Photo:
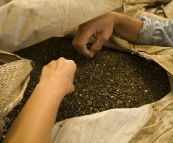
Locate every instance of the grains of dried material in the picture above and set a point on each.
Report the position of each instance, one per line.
(112, 79)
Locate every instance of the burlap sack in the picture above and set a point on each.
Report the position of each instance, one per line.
(3, 2)
(14, 76)
(161, 55)
(155, 8)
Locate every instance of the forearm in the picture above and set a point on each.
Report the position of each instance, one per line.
(35, 122)
(127, 27)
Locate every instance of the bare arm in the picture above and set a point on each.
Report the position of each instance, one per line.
(101, 28)
(35, 122)
(127, 27)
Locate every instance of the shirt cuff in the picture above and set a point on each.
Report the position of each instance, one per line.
(146, 31)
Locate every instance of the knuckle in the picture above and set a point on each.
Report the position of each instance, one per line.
(84, 27)
(61, 58)
(96, 49)
(105, 38)
(79, 44)
(52, 62)
(72, 62)
(44, 68)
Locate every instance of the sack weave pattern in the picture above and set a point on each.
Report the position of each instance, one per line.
(14, 76)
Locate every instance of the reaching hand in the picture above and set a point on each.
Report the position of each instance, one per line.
(59, 75)
(100, 28)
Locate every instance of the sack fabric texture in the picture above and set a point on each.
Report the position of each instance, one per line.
(14, 76)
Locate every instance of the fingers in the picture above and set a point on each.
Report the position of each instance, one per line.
(81, 44)
(99, 42)
(85, 32)
(67, 70)
(61, 61)
(60, 66)
(80, 41)
(59, 73)
(65, 62)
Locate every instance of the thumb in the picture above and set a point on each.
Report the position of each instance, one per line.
(72, 88)
(99, 42)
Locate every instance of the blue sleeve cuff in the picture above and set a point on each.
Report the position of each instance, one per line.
(145, 32)
(155, 32)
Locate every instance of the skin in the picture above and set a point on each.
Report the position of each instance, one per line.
(35, 122)
(101, 28)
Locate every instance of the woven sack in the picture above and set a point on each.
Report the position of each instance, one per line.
(14, 76)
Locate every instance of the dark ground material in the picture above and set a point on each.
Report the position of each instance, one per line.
(112, 79)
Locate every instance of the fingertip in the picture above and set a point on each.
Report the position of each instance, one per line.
(91, 55)
(96, 47)
(87, 54)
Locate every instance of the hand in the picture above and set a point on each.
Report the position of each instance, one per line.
(100, 28)
(36, 120)
(59, 75)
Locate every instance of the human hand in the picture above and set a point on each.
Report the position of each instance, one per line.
(59, 75)
(100, 28)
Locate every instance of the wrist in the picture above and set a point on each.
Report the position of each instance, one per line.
(115, 17)
(47, 89)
